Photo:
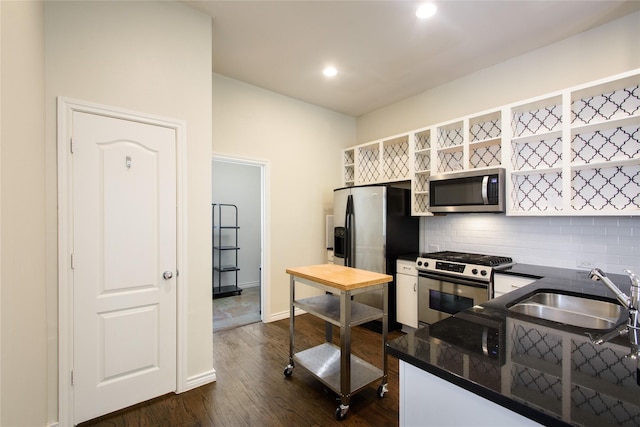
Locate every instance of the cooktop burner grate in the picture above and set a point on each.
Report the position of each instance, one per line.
(468, 258)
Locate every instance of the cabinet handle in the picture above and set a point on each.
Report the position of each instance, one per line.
(415, 287)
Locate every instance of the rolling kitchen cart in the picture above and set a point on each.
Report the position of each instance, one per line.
(335, 366)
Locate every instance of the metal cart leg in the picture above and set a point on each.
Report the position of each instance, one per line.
(328, 332)
(328, 328)
(288, 370)
(345, 354)
(385, 327)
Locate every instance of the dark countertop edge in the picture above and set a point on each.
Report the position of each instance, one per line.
(409, 256)
(537, 415)
(553, 278)
(544, 272)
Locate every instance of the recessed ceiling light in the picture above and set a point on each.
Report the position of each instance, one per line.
(330, 71)
(426, 10)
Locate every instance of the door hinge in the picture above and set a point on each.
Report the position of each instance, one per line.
(71, 145)
(72, 377)
(72, 266)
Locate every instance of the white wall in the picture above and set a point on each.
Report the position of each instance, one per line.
(152, 57)
(610, 243)
(302, 145)
(240, 185)
(24, 367)
(606, 50)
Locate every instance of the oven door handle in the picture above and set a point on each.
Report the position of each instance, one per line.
(453, 279)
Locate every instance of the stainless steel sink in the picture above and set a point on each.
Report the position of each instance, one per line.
(572, 310)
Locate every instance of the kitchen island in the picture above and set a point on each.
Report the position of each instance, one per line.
(491, 366)
(335, 366)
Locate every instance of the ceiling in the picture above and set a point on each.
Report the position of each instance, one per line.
(383, 53)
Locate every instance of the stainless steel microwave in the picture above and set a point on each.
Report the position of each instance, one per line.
(470, 191)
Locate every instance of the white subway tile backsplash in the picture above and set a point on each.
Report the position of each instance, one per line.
(619, 231)
(617, 250)
(595, 248)
(595, 230)
(612, 243)
(584, 220)
(571, 229)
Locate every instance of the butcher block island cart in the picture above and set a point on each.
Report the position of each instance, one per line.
(335, 366)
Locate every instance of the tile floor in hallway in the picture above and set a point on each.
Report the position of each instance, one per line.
(238, 310)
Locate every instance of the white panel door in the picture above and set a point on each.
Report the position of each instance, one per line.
(124, 263)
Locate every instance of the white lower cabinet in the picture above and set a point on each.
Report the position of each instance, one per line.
(407, 293)
(504, 283)
(426, 399)
(329, 256)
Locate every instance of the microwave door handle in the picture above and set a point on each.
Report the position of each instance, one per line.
(485, 188)
(485, 341)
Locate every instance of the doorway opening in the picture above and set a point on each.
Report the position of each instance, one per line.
(237, 240)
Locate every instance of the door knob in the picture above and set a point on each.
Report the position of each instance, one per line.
(167, 275)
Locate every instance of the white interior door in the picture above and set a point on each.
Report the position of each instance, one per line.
(124, 263)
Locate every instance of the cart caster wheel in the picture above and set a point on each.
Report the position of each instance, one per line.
(341, 412)
(382, 390)
(288, 371)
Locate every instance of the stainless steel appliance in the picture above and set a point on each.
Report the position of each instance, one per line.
(450, 282)
(473, 334)
(471, 191)
(372, 226)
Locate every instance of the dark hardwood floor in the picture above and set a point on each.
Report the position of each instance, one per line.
(251, 389)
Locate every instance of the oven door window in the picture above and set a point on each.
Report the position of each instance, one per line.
(448, 303)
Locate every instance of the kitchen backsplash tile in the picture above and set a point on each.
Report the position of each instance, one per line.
(609, 243)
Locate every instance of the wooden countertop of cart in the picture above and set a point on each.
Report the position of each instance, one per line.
(339, 276)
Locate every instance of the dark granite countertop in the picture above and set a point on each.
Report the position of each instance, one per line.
(409, 257)
(549, 372)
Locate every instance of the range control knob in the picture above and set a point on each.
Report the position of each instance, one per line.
(483, 272)
(419, 263)
(474, 271)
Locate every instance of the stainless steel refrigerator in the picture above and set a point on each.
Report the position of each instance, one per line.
(372, 227)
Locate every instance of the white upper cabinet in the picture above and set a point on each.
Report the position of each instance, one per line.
(387, 160)
(571, 152)
(604, 142)
(449, 147)
(485, 140)
(421, 171)
(577, 152)
(534, 183)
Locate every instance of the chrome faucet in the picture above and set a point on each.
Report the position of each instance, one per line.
(631, 303)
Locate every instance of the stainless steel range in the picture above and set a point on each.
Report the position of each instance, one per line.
(450, 282)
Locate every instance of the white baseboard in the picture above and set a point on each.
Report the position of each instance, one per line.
(199, 380)
(248, 285)
(283, 315)
(192, 382)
